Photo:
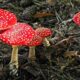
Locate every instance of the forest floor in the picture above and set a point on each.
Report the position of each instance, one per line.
(59, 61)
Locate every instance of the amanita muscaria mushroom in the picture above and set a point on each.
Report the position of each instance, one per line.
(76, 18)
(44, 32)
(7, 19)
(18, 34)
(37, 40)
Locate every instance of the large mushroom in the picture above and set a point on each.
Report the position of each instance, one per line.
(76, 18)
(7, 19)
(19, 34)
(36, 41)
(44, 32)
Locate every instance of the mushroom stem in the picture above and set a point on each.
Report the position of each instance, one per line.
(46, 42)
(31, 55)
(14, 57)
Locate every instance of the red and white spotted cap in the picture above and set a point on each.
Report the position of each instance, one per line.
(43, 32)
(7, 19)
(37, 40)
(18, 34)
(76, 18)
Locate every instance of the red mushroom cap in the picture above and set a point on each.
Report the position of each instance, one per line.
(19, 34)
(37, 40)
(6, 19)
(43, 32)
(76, 18)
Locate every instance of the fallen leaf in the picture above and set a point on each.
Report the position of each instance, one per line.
(51, 2)
(42, 14)
(71, 54)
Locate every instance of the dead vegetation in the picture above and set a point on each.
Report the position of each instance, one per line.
(60, 61)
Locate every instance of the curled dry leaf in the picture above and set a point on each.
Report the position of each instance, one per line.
(42, 14)
(51, 2)
(70, 54)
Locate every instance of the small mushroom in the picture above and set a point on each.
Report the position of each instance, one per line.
(37, 40)
(44, 32)
(7, 19)
(19, 34)
(76, 18)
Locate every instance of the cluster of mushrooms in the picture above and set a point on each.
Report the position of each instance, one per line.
(16, 34)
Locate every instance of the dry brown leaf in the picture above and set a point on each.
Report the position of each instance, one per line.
(71, 54)
(42, 14)
(51, 2)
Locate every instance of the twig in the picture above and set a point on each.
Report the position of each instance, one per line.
(66, 39)
(66, 21)
(74, 34)
(59, 32)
